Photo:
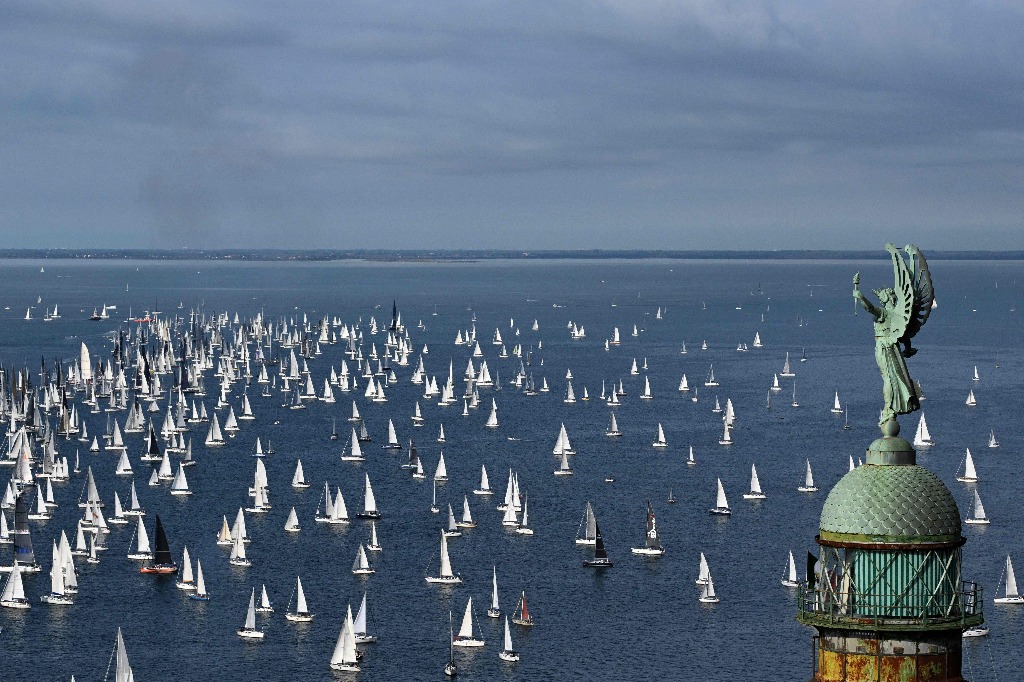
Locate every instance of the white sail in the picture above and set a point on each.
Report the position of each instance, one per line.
(1011, 580)
(250, 616)
(200, 582)
(494, 591)
(369, 501)
(721, 502)
(142, 539)
(300, 597)
(703, 572)
(755, 482)
(441, 472)
(979, 509)
(122, 671)
(446, 564)
(466, 629)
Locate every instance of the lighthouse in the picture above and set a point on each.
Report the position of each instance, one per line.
(888, 598)
(887, 595)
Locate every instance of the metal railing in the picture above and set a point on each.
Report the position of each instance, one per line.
(829, 608)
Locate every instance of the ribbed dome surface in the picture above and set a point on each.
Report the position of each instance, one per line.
(891, 501)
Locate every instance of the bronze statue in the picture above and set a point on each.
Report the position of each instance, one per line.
(903, 310)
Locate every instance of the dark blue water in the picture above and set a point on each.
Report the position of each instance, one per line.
(639, 621)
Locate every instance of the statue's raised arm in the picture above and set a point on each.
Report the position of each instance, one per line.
(901, 313)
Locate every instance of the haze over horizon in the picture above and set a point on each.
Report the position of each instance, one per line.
(479, 125)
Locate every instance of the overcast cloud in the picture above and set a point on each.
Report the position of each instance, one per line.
(524, 125)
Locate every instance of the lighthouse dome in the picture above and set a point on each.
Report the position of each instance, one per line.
(879, 503)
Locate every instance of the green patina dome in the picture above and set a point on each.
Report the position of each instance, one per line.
(890, 503)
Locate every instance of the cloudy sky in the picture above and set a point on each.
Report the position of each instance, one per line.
(524, 125)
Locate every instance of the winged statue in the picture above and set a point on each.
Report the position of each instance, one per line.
(902, 311)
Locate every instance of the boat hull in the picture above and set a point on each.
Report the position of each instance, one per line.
(598, 563)
(721, 511)
(467, 642)
(57, 599)
(250, 634)
(299, 617)
(755, 496)
(510, 656)
(444, 580)
(648, 551)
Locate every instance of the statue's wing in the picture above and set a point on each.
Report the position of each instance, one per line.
(899, 316)
(924, 294)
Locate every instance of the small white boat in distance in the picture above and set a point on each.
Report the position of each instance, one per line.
(587, 532)
(808, 486)
(707, 592)
(721, 503)
(992, 442)
(789, 578)
(508, 653)
(465, 636)
(971, 400)
(755, 486)
(249, 630)
(703, 572)
(970, 474)
(922, 437)
(495, 610)
(1010, 594)
(563, 468)
(977, 516)
(301, 613)
(836, 407)
(445, 576)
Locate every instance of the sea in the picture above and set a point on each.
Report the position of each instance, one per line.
(641, 619)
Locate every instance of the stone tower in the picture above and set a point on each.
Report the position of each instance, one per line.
(888, 599)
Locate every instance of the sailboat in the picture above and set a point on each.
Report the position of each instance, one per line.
(359, 625)
(392, 443)
(179, 486)
(452, 530)
(441, 472)
(794, 403)
(370, 510)
(600, 559)
(789, 579)
(613, 428)
(922, 437)
(13, 596)
(710, 381)
(836, 407)
(361, 565)
(808, 486)
(970, 474)
(495, 610)
(524, 528)
(508, 653)
(238, 556)
(587, 531)
(299, 478)
(703, 572)
(485, 485)
(726, 438)
(652, 541)
(563, 468)
(992, 442)
(466, 637)
(434, 509)
(971, 401)
(249, 630)
(445, 576)
(721, 503)
(467, 516)
(786, 371)
(291, 525)
(660, 441)
(977, 516)
(344, 657)
(301, 613)
(162, 562)
(1010, 595)
(143, 551)
(200, 593)
(450, 669)
(186, 582)
(59, 594)
(707, 592)
(264, 606)
(755, 486)
(521, 614)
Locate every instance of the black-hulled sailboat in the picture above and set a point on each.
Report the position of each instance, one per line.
(163, 562)
(600, 559)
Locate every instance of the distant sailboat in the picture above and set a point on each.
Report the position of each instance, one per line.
(249, 630)
(971, 400)
(659, 441)
(466, 636)
(922, 437)
(508, 654)
(495, 610)
(445, 575)
(301, 614)
(1010, 594)
(977, 515)
(587, 532)
(970, 474)
(600, 559)
(755, 486)
(808, 486)
(721, 503)
(789, 578)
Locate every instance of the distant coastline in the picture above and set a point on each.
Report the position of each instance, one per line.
(469, 255)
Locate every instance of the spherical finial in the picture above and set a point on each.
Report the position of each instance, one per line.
(891, 428)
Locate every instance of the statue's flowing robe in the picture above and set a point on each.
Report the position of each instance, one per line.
(898, 388)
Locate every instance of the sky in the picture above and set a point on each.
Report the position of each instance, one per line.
(614, 124)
